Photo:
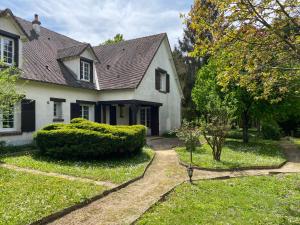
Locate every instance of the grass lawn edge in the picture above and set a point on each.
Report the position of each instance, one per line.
(182, 163)
(54, 216)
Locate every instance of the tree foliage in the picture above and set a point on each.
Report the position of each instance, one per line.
(256, 42)
(117, 39)
(9, 94)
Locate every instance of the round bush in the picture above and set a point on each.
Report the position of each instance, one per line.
(86, 139)
(270, 130)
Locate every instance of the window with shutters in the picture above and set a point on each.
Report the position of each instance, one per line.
(8, 119)
(86, 70)
(162, 81)
(84, 111)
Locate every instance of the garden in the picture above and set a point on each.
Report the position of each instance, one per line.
(112, 154)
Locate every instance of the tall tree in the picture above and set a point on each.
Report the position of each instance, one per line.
(260, 40)
(117, 38)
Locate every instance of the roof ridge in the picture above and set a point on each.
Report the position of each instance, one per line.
(27, 21)
(134, 39)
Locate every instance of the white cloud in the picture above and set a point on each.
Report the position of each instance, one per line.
(95, 21)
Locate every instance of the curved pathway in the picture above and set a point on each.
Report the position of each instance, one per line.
(129, 203)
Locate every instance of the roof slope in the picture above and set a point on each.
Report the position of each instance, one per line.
(123, 65)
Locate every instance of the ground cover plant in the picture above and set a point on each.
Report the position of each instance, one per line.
(25, 198)
(237, 154)
(274, 200)
(116, 170)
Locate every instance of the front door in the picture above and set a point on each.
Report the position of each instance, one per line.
(145, 118)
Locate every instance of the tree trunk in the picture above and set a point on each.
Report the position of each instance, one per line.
(245, 118)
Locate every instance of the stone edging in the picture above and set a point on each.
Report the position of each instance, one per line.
(235, 169)
(54, 216)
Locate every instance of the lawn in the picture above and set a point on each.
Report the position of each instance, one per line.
(249, 200)
(25, 198)
(117, 170)
(236, 155)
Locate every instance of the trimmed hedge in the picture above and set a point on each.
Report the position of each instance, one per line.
(271, 130)
(85, 139)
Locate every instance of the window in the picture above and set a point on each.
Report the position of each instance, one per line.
(85, 70)
(163, 77)
(7, 119)
(84, 111)
(57, 110)
(162, 81)
(7, 50)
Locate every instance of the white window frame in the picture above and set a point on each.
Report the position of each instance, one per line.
(83, 111)
(86, 71)
(147, 114)
(14, 128)
(57, 110)
(2, 39)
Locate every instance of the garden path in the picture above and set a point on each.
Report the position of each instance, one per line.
(129, 203)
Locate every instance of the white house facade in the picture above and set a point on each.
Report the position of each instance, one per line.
(132, 82)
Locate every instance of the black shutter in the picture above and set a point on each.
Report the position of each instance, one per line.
(27, 115)
(130, 116)
(98, 113)
(155, 121)
(16, 59)
(113, 115)
(75, 111)
(81, 69)
(157, 80)
(91, 73)
(167, 83)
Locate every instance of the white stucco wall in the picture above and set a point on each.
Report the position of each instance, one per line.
(41, 93)
(170, 111)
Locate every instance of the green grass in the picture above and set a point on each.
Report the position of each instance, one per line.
(236, 154)
(241, 201)
(116, 170)
(25, 198)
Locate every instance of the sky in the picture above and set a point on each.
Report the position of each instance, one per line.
(94, 21)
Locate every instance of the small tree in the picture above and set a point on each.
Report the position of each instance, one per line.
(215, 125)
(9, 95)
(189, 133)
(117, 38)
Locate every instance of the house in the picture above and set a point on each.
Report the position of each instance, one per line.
(132, 82)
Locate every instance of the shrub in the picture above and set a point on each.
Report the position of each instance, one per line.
(86, 139)
(271, 130)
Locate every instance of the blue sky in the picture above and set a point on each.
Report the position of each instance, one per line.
(94, 21)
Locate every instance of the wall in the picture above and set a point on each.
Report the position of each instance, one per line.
(170, 112)
(41, 93)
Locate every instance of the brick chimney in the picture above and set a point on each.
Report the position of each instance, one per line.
(36, 24)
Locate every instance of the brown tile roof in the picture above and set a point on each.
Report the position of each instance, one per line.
(127, 61)
(123, 65)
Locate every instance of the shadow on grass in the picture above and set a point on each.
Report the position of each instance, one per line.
(109, 162)
(258, 147)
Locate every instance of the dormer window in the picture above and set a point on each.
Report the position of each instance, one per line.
(86, 70)
(7, 50)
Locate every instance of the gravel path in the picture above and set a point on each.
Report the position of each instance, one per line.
(127, 204)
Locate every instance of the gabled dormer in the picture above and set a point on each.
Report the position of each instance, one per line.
(12, 37)
(81, 60)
